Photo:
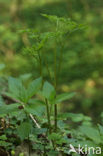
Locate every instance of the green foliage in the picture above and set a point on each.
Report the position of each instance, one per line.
(92, 133)
(18, 91)
(63, 97)
(34, 117)
(1, 101)
(24, 130)
(80, 48)
(85, 133)
(48, 91)
(7, 109)
(33, 87)
(3, 142)
(15, 87)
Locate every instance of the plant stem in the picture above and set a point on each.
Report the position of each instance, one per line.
(55, 113)
(40, 62)
(60, 60)
(47, 67)
(59, 70)
(55, 70)
(55, 84)
(48, 115)
(29, 146)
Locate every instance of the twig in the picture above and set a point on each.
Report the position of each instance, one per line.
(31, 116)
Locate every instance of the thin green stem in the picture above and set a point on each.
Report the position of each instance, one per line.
(55, 70)
(48, 115)
(59, 70)
(55, 84)
(40, 63)
(60, 60)
(29, 145)
(48, 69)
(55, 113)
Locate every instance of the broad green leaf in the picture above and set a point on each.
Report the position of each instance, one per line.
(53, 153)
(25, 77)
(37, 131)
(17, 90)
(7, 109)
(58, 138)
(15, 85)
(36, 102)
(76, 118)
(9, 95)
(35, 109)
(100, 129)
(91, 133)
(55, 136)
(1, 101)
(34, 87)
(23, 95)
(48, 91)
(24, 130)
(65, 96)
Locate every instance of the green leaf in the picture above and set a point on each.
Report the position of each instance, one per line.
(1, 101)
(5, 144)
(100, 129)
(25, 77)
(78, 117)
(14, 86)
(17, 89)
(51, 17)
(65, 96)
(35, 109)
(74, 117)
(7, 109)
(3, 137)
(53, 153)
(24, 130)
(34, 87)
(92, 133)
(36, 102)
(23, 95)
(48, 91)
(55, 136)
(58, 138)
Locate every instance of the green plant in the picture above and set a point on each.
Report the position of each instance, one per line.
(63, 28)
(33, 114)
(50, 99)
